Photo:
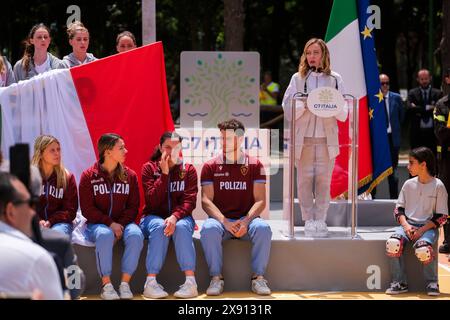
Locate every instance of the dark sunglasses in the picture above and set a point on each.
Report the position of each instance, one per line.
(384, 83)
(32, 202)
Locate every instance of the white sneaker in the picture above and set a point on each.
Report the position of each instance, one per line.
(310, 228)
(259, 286)
(321, 228)
(215, 287)
(125, 291)
(154, 290)
(108, 292)
(187, 290)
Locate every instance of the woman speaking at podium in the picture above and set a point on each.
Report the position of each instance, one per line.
(316, 144)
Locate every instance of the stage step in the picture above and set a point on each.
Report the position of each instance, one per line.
(301, 264)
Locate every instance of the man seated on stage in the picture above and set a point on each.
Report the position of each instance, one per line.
(233, 196)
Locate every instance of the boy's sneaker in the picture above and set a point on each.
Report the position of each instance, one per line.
(310, 228)
(125, 291)
(397, 288)
(259, 286)
(108, 292)
(443, 248)
(321, 228)
(187, 290)
(154, 290)
(433, 289)
(215, 287)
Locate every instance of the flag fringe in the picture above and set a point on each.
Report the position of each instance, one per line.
(361, 183)
(364, 181)
(380, 178)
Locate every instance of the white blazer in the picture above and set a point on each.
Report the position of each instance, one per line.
(302, 115)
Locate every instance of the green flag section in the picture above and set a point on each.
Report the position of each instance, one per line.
(342, 14)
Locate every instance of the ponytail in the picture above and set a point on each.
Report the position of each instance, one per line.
(29, 47)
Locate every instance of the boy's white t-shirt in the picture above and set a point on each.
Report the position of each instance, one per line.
(422, 200)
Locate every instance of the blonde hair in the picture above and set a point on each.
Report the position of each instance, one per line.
(74, 27)
(40, 144)
(106, 142)
(2, 65)
(304, 67)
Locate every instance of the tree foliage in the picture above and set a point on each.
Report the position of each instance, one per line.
(277, 29)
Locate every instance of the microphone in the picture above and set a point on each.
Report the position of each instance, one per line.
(319, 69)
(305, 89)
(311, 69)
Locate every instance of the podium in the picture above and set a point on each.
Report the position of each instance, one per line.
(321, 147)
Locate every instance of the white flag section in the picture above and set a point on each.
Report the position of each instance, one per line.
(125, 93)
(47, 104)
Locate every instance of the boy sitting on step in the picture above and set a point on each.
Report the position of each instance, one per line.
(421, 209)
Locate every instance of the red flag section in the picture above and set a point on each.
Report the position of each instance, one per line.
(127, 94)
(339, 184)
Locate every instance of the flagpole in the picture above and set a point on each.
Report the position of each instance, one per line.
(148, 21)
(299, 96)
(354, 184)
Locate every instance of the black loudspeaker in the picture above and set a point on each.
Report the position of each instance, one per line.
(19, 165)
(19, 162)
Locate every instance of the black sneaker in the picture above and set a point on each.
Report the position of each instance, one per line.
(433, 289)
(444, 249)
(397, 288)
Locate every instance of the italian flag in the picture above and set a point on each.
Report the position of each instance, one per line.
(125, 94)
(343, 41)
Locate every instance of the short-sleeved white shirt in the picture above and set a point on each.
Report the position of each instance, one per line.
(26, 266)
(422, 200)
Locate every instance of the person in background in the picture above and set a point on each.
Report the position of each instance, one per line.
(125, 41)
(394, 117)
(269, 90)
(79, 40)
(6, 73)
(420, 105)
(36, 58)
(442, 132)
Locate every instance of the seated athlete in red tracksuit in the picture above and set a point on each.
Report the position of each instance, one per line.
(109, 199)
(170, 189)
(58, 201)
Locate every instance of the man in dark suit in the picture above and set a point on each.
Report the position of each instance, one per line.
(421, 102)
(394, 118)
(442, 131)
